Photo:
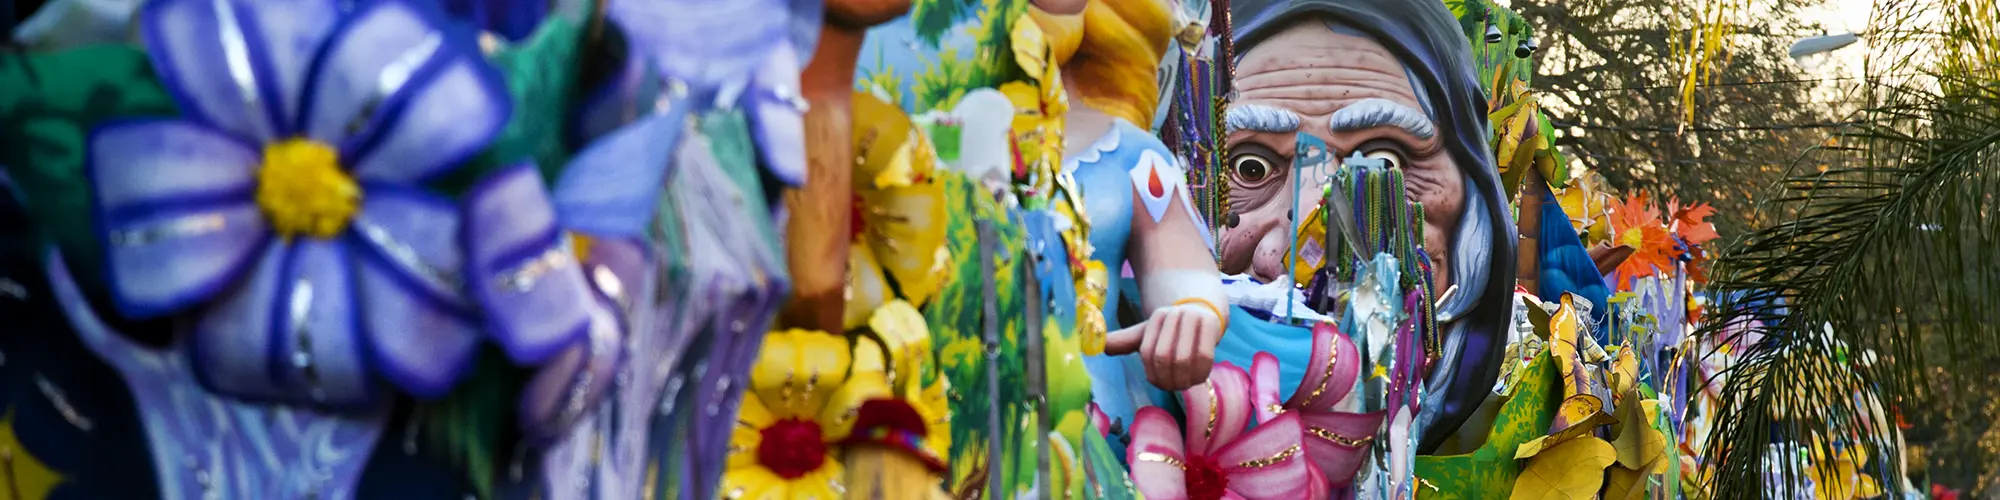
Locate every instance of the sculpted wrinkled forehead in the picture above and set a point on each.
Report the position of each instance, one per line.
(1314, 69)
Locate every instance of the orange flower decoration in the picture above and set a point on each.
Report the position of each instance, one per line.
(1690, 222)
(1636, 223)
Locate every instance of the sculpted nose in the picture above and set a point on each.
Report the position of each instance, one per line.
(1269, 261)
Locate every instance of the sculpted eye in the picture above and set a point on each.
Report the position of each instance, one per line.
(1389, 156)
(1250, 168)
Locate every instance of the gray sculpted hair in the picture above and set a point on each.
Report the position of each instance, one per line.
(1376, 112)
(1259, 118)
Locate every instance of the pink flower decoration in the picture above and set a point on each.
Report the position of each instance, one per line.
(1335, 441)
(1103, 421)
(1218, 456)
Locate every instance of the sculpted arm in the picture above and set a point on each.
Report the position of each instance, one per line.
(1180, 290)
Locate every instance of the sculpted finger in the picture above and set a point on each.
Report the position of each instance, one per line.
(1125, 340)
(1205, 349)
(1163, 351)
(1149, 340)
(1189, 326)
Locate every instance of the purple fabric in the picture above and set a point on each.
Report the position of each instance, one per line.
(612, 188)
(628, 94)
(777, 116)
(742, 53)
(210, 446)
(720, 314)
(573, 381)
(704, 44)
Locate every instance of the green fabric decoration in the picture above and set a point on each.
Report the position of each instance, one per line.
(1105, 477)
(1489, 471)
(541, 76)
(471, 427)
(51, 102)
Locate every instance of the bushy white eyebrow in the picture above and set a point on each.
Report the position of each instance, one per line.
(1259, 118)
(1376, 112)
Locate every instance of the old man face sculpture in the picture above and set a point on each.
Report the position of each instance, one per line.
(1384, 79)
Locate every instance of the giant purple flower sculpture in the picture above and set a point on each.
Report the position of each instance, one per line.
(284, 206)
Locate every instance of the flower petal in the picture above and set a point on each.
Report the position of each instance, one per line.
(167, 261)
(867, 289)
(522, 274)
(318, 332)
(453, 116)
(751, 419)
(1316, 486)
(905, 227)
(821, 484)
(225, 66)
(174, 201)
(1264, 386)
(232, 340)
(777, 116)
(613, 187)
(797, 371)
(1217, 410)
(403, 99)
(1156, 455)
(867, 380)
(414, 233)
(421, 344)
(288, 332)
(1267, 462)
(1337, 442)
(574, 380)
(1331, 371)
(145, 166)
(753, 483)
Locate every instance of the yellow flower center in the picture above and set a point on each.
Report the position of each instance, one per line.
(581, 245)
(1633, 237)
(302, 190)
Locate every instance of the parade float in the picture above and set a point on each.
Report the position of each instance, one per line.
(799, 249)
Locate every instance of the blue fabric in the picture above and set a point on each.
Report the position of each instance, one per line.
(1566, 267)
(1248, 334)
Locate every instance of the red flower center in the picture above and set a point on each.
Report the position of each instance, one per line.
(1205, 480)
(791, 448)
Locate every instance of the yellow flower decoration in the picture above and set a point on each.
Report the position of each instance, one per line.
(804, 391)
(913, 372)
(1587, 202)
(1091, 328)
(899, 219)
(1040, 105)
(1842, 478)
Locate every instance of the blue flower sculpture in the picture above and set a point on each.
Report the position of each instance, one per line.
(283, 212)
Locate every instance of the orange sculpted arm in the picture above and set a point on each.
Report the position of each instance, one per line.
(817, 236)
